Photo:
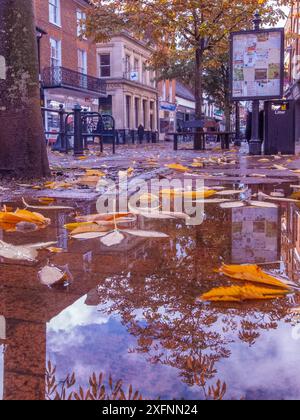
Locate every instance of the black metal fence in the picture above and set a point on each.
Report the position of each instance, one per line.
(199, 140)
(78, 129)
(133, 137)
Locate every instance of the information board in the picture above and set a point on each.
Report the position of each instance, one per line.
(257, 64)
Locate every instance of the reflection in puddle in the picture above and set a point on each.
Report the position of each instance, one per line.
(132, 310)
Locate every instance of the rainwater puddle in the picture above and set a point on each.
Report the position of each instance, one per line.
(132, 311)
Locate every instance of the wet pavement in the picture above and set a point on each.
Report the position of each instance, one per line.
(132, 310)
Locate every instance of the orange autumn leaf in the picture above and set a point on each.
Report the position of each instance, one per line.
(91, 227)
(109, 217)
(72, 226)
(251, 273)
(18, 216)
(192, 195)
(177, 167)
(55, 250)
(241, 294)
(94, 172)
(46, 200)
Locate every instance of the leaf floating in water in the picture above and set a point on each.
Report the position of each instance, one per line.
(252, 273)
(241, 294)
(264, 196)
(46, 207)
(51, 275)
(232, 205)
(146, 233)
(263, 204)
(73, 226)
(22, 252)
(46, 200)
(88, 235)
(55, 250)
(23, 216)
(113, 238)
(89, 228)
(231, 192)
(105, 217)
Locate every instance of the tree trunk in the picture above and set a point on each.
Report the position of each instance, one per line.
(22, 140)
(199, 96)
(227, 117)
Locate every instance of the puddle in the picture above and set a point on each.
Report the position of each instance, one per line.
(131, 311)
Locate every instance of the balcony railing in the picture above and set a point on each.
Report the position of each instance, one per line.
(61, 77)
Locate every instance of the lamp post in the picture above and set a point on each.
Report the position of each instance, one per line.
(255, 142)
(237, 125)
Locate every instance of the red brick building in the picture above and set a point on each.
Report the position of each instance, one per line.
(68, 64)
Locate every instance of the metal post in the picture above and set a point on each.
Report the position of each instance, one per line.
(78, 139)
(62, 129)
(255, 143)
(175, 141)
(237, 125)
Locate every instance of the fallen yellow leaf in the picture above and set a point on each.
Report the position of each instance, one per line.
(72, 226)
(241, 294)
(251, 273)
(55, 250)
(192, 195)
(94, 172)
(23, 216)
(177, 167)
(46, 200)
(92, 227)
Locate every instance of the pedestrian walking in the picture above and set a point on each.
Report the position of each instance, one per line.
(141, 133)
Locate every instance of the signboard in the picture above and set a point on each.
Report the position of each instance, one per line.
(134, 76)
(257, 65)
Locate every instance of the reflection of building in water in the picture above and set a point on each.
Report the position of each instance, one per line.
(255, 235)
(290, 240)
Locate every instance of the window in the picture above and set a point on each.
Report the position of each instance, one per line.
(144, 73)
(105, 67)
(164, 90)
(127, 65)
(171, 91)
(128, 111)
(54, 12)
(137, 113)
(81, 18)
(55, 53)
(82, 61)
(136, 64)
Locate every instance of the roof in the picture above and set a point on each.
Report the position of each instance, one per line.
(184, 92)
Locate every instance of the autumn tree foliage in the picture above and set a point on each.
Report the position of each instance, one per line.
(22, 141)
(180, 29)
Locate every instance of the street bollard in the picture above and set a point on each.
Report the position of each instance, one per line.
(78, 139)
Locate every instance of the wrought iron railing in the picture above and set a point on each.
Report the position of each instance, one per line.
(53, 77)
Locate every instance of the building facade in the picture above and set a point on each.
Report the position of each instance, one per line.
(167, 107)
(68, 62)
(131, 86)
(292, 60)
